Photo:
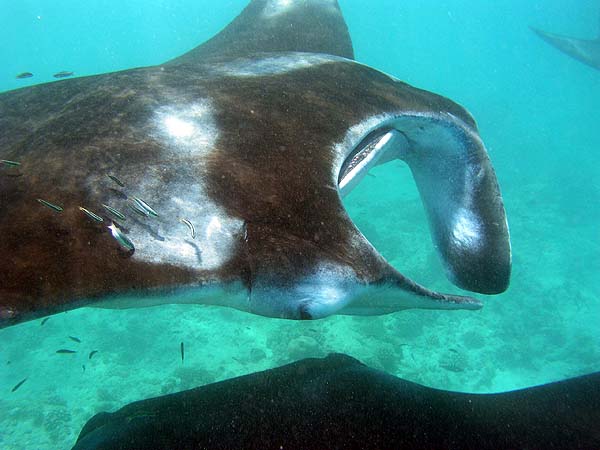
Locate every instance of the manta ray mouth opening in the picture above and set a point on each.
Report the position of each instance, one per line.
(373, 179)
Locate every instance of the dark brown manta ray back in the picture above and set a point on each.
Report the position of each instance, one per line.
(217, 178)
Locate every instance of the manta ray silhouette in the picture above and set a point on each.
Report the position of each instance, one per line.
(585, 50)
(217, 178)
(337, 402)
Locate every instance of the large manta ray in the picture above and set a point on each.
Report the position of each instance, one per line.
(217, 178)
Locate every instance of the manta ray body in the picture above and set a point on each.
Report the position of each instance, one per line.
(218, 177)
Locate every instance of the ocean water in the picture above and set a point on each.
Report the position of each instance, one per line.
(538, 114)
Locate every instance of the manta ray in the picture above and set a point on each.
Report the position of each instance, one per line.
(218, 177)
(585, 50)
(337, 402)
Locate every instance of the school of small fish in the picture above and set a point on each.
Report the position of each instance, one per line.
(136, 204)
(61, 74)
(68, 351)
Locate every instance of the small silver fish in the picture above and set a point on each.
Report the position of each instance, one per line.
(138, 209)
(114, 212)
(24, 75)
(9, 163)
(144, 206)
(50, 205)
(91, 215)
(121, 238)
(190, 225)
(116, 180)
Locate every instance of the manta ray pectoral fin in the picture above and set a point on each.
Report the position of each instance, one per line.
(314, 26)
(585, 50)
(462, 199)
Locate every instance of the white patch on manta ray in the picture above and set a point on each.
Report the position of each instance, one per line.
(191, 128)
(175, 187)
(273, 8)
(467, 229)
(165, 240)
(274, 65)
(326, 290)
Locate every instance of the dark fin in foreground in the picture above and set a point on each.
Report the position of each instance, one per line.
(585, 50)
(337, 402)
(265, 26)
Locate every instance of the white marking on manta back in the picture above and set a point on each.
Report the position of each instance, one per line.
(191, 128)
(274, 65)
(164, 240)
(175, 185)
(178, 128)
(273, 8)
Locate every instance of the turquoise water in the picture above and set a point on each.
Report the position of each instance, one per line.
(537, 111)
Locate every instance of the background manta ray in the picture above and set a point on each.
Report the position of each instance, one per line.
(585, 50)
(217, 178)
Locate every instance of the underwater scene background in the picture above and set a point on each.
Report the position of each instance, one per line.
(538, 113)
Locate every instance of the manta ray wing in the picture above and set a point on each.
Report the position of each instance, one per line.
(278, 26)
(217, 179)
(585, 50)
